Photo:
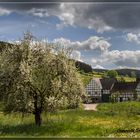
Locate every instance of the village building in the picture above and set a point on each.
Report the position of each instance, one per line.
(109, 89)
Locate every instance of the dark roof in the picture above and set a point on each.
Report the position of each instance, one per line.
(113, 85)
(124, 86)
(107, 83)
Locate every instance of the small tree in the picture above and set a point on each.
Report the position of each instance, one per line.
(37, 78)
(112, 73)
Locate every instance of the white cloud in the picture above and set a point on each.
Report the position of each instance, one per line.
(76, 55)
(131, 37)
(62, 41)
(94, 61)
(4, 11)
(123, 58)
(120, 59)
(93, 43)
(39, 12)
(98, 67)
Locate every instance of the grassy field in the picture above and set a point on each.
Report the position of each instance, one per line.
(111, 120)
(127, 79)
(86, 77)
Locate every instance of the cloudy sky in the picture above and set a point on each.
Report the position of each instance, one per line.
(104, 35)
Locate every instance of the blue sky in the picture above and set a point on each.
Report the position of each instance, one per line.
(104, 35)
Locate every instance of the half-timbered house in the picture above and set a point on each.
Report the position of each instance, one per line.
(107, 89)
(94, 90)
(123, 91)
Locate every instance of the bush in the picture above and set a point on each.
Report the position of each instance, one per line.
(112, 74)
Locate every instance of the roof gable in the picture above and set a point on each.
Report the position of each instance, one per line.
(95, 80)
(113, 85)
(125, 86)
(108, 83)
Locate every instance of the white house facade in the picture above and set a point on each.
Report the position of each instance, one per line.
(104, 90)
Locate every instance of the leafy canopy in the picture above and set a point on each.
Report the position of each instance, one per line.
(37, 77)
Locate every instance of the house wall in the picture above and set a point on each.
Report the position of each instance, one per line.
(105, 95)
(138, 89)
(106, 91)
(94, 90)
(97, 94)
(123, 96)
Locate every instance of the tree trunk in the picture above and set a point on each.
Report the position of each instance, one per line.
(38, 119)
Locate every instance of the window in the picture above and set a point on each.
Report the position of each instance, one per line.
(106, 92)
(89, 92)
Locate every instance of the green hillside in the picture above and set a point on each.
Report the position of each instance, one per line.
(86, 77)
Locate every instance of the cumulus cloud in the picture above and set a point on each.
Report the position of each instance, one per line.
(94, 61)
(99, 16)
(4, 11)
(76, 55)
(131, 37)
(123, 59)
(74, 15)
(39, 12)
(98, 67)
(93, 43)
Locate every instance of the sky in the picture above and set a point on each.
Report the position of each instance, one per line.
(105, 35)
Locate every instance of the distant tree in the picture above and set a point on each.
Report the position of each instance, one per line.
(112, 74)
(36, 80)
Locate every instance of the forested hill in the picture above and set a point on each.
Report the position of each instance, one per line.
(100, 70)
(124, 72)
(128, 72)
(83, 66)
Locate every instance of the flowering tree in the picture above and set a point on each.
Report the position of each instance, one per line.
(38, 78)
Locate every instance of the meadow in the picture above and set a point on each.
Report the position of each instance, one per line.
(86, 77)
(111, 120)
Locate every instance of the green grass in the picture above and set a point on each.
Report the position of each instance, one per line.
(111, 120)
(86, 77)
(127, 79)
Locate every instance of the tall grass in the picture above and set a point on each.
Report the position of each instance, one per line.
(111, 120)
(122, 108)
